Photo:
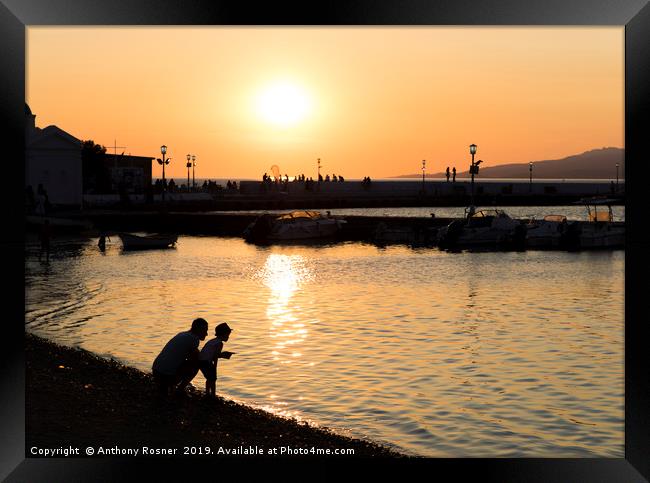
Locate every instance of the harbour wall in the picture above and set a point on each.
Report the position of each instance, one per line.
(254, 195)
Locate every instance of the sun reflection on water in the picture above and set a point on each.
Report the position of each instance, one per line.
(283, 275)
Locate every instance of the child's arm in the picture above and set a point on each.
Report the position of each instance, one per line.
(221, 354)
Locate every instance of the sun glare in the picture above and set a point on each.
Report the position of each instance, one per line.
(283, 104)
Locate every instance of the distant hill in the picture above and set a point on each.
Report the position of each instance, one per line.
(594, 164)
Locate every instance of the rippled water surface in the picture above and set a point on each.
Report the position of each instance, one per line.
(442, 354)
(572, 212)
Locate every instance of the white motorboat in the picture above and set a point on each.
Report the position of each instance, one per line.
(553, 231)
(143, 242)
(296, 225)
(484, 228)
(601, 231)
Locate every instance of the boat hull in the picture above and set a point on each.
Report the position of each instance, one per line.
(305, 230)
(605, 237)
(135, 242)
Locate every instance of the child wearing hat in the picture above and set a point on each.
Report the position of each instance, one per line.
(210, 355)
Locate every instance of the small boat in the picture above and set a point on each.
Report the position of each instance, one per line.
(489, 228)
(553, 231)
(601, 231)
(143, 242)
(296, 225)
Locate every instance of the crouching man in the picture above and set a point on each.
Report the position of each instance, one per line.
(178, 362)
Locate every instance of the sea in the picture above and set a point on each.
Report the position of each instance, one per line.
(435, 353)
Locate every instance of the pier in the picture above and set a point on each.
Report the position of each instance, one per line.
(257, 196)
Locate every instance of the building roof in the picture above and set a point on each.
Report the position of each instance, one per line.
(43, 136)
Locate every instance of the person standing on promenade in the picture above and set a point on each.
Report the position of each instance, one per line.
(453, 174)
(210, 354)
(178, 362)
(447, 174)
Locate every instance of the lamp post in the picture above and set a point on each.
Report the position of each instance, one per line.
(617, 177)
(424, 163)
(188, 165)
(163, 162)
(530, 169)
(472, 150)
(193, 178)
(318, 170)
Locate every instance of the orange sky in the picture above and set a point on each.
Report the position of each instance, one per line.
(367, 101)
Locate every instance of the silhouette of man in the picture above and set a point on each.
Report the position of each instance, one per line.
(453, 174)
(178, 362)
(447, 174)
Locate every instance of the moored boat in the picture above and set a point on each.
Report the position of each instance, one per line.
(601, 231)
(296, 225)
(553, 231)
(490, 228)
(143, 242)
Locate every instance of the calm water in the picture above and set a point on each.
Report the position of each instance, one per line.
(442, 354)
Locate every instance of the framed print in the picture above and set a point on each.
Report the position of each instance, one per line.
(515, 364)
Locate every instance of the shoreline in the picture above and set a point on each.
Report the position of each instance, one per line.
(75, 399)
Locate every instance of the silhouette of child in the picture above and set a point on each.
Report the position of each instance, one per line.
(210, 355)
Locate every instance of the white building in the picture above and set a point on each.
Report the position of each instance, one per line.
(53, 159)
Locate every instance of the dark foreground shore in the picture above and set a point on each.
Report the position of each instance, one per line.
(75, 399)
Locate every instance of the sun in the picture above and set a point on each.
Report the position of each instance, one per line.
(283, 104)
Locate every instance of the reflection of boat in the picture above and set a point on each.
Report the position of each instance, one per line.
(485, 228)
(137, 242)
(409, 235)
(601, 231)
(296, 225)
(553, 231)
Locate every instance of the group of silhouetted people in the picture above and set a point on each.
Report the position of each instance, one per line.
(180, 359)
(301, 178)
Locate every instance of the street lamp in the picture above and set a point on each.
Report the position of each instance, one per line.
(472, 169)
(163, 162)
(424, 163)
(530, 168)
(189, 165)
(617, 177)
(319, 170)
(193, 178)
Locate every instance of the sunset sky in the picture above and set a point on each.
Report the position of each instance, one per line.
(371, 101)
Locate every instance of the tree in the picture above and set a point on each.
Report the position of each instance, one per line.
(96, 177)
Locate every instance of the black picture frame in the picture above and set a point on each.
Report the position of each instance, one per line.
(16, 15)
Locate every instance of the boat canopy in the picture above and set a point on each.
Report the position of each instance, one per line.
(299, 214)
(600, 215)
(556, 218)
